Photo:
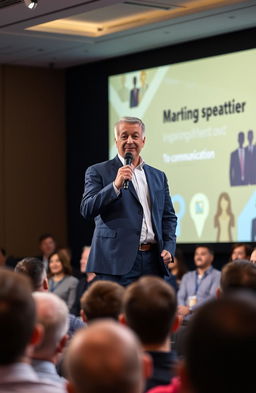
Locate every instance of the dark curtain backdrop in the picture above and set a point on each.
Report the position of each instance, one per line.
(87, 121)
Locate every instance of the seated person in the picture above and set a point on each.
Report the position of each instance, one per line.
(220, 346)
(61, 282)
(106, 357)
(150, 311)
(35, 269)
(199, 285)
(240, 274)
(83, 284)
(102, 300)
(52, 314)
(240, 251)
(20, 334)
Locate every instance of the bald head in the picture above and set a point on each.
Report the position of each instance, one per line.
(52, 314)
(105, 357)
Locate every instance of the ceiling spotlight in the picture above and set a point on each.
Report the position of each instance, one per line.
(32, 4)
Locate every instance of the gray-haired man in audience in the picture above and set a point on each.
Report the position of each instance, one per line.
(52, 314)
(19, 335)
(106, 358)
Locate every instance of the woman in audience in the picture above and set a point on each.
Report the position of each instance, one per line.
(61, 282)
(177, 269)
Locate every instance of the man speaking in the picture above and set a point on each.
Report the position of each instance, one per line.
(134, 217)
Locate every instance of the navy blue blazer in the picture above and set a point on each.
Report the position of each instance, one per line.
(118, 219)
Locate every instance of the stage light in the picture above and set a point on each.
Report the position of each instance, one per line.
(31, 4)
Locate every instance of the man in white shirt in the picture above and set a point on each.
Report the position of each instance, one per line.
(134, 227)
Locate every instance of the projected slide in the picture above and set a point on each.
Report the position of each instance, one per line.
(200, 119)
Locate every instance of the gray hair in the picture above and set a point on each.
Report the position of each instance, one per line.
(52, 313)
(131, 120)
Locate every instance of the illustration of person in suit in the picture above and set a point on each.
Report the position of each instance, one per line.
(143, 84)
(237, 164)
(250, 160)
(224, 219)
(134, 94)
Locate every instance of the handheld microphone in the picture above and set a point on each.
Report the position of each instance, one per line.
(128, 158)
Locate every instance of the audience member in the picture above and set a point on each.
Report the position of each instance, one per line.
(253, 256)
(240, 274)
(52, 314)
(102, 300)
(220, 346)
(34, 268)
(19, 335)
(106, 358)
(47, 245)
(61, 282)
(7, 260)
(240, 251)
(199, 285)
(150, 311)
(177, 269)
(86, 280)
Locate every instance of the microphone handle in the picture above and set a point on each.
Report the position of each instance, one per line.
(126, 184)
(127, 161)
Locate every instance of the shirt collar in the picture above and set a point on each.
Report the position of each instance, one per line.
(140, 166)
(208, 271)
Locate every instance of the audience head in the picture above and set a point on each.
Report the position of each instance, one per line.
(178, 265)
(150, 309)
(240, 274)
(105, 357)
(240, 251)
(34, 268)
(59, 262)
(52, 314)
(253, 256)
(17, 316)
(2, 256)
(84, 258)
(203, 257)
(103, 299)
(47, 244)
(220, 345)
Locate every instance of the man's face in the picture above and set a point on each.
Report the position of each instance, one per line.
(129, 139)
(238, 253)
(203, 258)
(84, 258)
(47, 246)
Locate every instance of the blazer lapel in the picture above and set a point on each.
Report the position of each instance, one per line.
(150, 182)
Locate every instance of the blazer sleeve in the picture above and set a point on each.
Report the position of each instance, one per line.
(169, 222)
(96, 196)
